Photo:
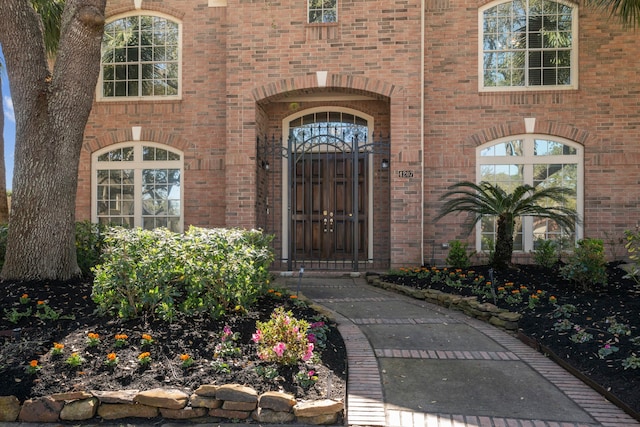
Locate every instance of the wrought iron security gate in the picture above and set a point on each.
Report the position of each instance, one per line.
(326, 174)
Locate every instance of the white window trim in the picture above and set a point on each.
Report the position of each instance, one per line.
(137, 165)
(529, 159)
(101, 98)
(574, 54)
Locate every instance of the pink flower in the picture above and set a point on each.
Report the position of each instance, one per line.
(607, 346)
(311, 373)
(226, 332)
(279, 348)
(312, 338)
(257, 336)
(316, 325)
(309, 353)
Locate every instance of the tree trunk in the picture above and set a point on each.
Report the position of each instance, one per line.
(504, 242)
(4, 205)
(51, 113)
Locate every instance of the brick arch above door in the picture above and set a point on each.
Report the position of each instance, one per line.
(341, 82)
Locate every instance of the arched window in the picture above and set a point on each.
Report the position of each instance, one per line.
(138, 185)
(141, 58)
(536, 160)
(528, 44)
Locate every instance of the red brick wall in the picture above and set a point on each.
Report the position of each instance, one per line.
(603, 115)
(240, 61)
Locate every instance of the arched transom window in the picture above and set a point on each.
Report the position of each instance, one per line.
(138, 185)
(536, 160)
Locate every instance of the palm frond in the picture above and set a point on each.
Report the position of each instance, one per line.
(50, 12)
(626, 11)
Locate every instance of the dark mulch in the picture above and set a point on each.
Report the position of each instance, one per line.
(597, 310)
(32, 338)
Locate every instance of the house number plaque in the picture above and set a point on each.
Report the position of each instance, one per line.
(405, 174)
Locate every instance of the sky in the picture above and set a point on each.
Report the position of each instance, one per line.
(9, 123)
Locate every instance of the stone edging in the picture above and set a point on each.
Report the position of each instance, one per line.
(487, 312)
(209, 403)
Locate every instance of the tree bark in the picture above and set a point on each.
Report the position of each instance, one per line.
(51, 113)
(504, 242)
(4, 203)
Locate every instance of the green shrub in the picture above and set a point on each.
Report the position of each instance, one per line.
(587, 265)
(633, 248)
(224, 269)
(545, 253)
(164, 273)
(458, 257)
(89, 244)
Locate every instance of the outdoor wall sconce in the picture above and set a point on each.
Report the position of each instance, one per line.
(385, 164)
(265, 165)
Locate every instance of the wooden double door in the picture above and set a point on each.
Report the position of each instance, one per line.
(329, 217)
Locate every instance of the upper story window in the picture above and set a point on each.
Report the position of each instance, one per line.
(140, 58)
(536, 160)
(138, 185)
(528, 44)
(323, 11)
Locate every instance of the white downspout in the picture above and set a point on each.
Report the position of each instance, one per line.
(422, 178)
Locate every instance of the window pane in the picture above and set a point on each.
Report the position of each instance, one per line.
(140, 40)
(509, 148)
(512, 34)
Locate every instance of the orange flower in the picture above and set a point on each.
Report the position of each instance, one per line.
(184, 357)
(146, 337)
(93, 336)
(293, 296)
(40, 302)
(33, 363)
(121, 336)
(58, 346)
(144, 355)
(111, 356)
(515, 291)
(25, 296)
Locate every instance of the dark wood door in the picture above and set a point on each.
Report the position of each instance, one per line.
(323, 208)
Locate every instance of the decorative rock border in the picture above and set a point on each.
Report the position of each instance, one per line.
(487, 312)
(209, 403)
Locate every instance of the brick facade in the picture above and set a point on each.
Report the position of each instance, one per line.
(250, 64)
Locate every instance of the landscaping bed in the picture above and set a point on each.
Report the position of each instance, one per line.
(219, 351)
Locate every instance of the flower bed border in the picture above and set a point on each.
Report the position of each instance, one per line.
(209, 403)
(499, 317)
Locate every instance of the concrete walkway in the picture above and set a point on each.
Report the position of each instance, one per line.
(411, 363)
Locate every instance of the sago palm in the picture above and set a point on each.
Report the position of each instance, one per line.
(486, 199)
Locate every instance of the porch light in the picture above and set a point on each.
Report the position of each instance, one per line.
(265, 165)
(385, 164)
